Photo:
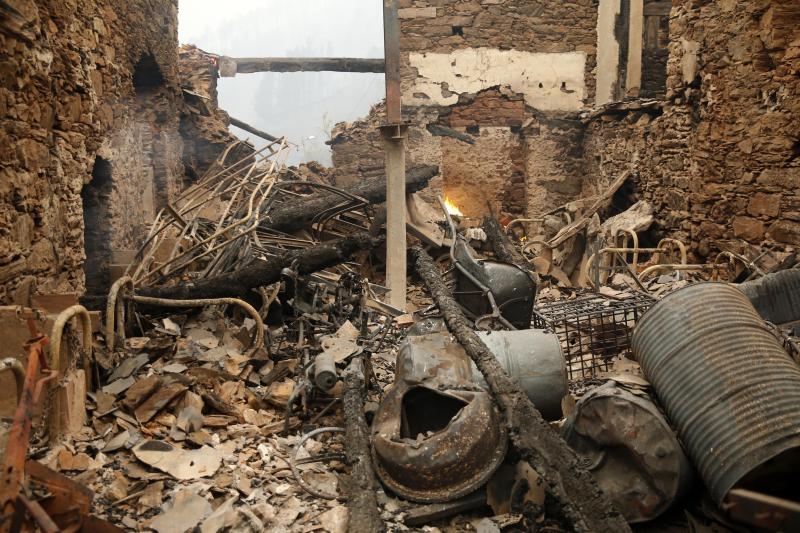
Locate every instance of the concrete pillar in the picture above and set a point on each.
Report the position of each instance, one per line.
(394, 142)
(607, 51)
(633, 78)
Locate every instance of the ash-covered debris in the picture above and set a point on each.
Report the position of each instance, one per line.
(241, 383)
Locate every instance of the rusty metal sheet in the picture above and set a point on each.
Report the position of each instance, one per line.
(437, 436)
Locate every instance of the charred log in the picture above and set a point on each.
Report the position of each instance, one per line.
(580, 503)
(301, 213)
(264, 272)
(503, 249)
(362, 502)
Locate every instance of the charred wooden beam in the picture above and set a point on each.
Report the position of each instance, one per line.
(264, 272)
(246, 65)
(580, 503)
(362, 502)
(502, 247)
(250, 129)
(437, 130)
(300, 213)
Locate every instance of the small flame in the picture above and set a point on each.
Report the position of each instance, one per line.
(452, 208)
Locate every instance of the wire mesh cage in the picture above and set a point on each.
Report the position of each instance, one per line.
(593, 329)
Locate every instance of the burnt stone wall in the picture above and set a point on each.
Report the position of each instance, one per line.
(203, 125)
(721, 163)
(444, 43)
(543, 26)
(83, 80)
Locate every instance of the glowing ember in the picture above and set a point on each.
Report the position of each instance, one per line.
(451, 207)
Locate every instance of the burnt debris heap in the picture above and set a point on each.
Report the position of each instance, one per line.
(557, 290)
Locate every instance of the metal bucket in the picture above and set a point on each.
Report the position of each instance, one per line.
(436, 435)
(533, 358)
(727, 386)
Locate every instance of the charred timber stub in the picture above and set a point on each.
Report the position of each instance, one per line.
(581, 503)
(299, 214)
(361, 499)
(263, 272)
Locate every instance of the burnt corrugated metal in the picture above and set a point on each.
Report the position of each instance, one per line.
(776, 296)
(727, 385)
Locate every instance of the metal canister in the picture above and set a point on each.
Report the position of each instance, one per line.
(776, 296)
(727, 386)
(533, 358)
(633, 453)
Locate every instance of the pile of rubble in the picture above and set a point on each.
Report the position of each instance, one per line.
(547, 375)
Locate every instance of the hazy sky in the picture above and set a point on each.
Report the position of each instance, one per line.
(303, 105)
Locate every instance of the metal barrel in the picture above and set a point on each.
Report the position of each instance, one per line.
(533, 358)
(727, 385)
(631, 450)
(776, 296)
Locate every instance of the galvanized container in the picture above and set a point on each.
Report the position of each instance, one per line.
(776, 296)
(728, 387)
(533, 358)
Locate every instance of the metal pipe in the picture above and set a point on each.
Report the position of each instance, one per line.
(15, 366)
(123, 283)
(293, 459)
(55, 417)
(249, 309)
(647, 272)
(58, 330)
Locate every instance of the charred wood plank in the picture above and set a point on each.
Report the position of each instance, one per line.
(264, 272)
(246, 65)
(362, 503)
(580, 504)
(250, 129)
(300, 213)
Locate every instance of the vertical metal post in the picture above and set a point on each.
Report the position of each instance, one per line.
(394, 137)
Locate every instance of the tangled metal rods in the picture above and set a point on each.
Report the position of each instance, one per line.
(222, 221)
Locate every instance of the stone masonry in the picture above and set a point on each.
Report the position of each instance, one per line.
(716, 152)
(720, 161)
(102, 124)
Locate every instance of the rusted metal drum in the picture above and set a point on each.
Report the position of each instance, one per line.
(625, 441)
(776, 296)
(727, 386)
(533, 358)
(437, 435)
